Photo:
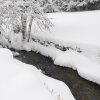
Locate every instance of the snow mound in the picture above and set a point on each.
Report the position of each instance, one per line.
(19, 81)
(6, 53)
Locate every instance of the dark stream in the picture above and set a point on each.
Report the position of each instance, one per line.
(80, 88)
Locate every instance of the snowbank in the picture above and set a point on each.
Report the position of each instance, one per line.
(19, 81)
(86, 68)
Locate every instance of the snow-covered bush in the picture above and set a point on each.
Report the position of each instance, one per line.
(79, 5)
(69, 5)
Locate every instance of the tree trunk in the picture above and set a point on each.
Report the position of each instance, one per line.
(24, 26)
(29, 29)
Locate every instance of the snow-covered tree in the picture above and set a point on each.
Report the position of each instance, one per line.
(69, 5)
(18, 15)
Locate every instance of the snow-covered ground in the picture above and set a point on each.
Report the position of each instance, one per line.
(20, 81)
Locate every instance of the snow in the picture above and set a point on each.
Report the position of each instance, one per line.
(20, 81)
(76, 30)
(78, 27)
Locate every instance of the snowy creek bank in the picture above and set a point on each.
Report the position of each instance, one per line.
(81, 88)
(20, 81)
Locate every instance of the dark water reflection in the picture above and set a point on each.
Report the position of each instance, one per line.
(80, 88)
